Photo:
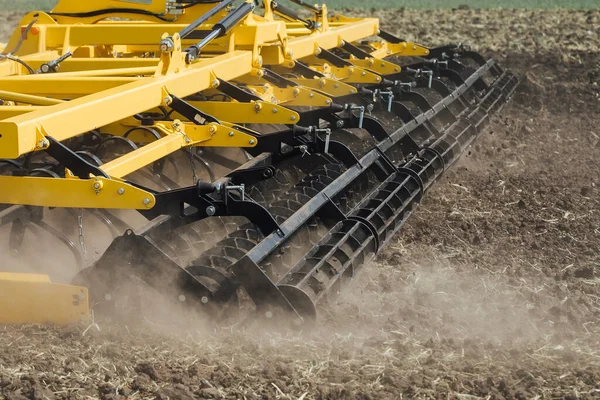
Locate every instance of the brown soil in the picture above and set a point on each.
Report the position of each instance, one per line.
(491, 291)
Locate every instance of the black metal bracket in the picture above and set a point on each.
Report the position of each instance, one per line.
(388, 37)
(333, 59)
(251, 176)
(73, 161)
(190, 112)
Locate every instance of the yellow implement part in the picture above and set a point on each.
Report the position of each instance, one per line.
(20, 134)
(73, 193)
(330, 87)
(258, 112)
(34, 299)
(185, 134)
(381, 67)
(405, 49)
(28, 99)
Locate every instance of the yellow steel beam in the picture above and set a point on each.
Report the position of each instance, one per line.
(405, 49)
(57, 86)
(28, 99)
(181, 135)
(258, 112)
(329, 87)
(308, 42)
(380, 67)
(73, 193)
(13, 111)
(97, 63)
(21, 134)
(34, 299)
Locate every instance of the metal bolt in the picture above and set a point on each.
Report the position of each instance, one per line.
(378, 79)
(204, 299)
(364, 73)
(44, 143)
(339, 124)
(230, 133)
(210, 211)
(252, 141)
(107, 297)
(342, 43)
(212, 129)
(336, 86)
(215, 83)
(146, 201)
(121, 191)
(311, 95)
(181, 298)
(168, 100)
(97, 186)
(269, 314)
(275, 111)
(166, 45)
(293, 118)
(328, 102)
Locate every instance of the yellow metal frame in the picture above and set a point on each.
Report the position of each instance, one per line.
(34, 299)
(110, 78)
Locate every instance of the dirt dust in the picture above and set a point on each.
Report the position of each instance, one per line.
(491, 291)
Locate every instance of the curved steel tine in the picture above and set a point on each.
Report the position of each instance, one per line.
(115, 139)
(44, 171)
(92, 158)
(143, 128)
(206, 165)
(13, 163)
(151, 177)
(74, 249)
(107, 219)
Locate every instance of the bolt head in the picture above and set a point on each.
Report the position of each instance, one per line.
(181, 298)
(121, 191)
(230, 134)
(340, 124)
(107, 297)
(210, 211)
(146, 201)
(328, 102)
(275, 111)
(204, 299)
(293, 118)
(269, 314)
(97, 185)
(168, 100)
(252, 141)
(215, 83)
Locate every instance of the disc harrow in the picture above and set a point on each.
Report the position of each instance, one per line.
(220, 153)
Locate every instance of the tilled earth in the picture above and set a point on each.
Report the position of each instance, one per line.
(491, 291)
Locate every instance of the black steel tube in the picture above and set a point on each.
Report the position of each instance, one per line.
(233, 18)
(291, 14)
(219, 29)
(205, 17)
(306, 5)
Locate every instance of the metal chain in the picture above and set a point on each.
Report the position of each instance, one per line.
(193, 165)
(81, 235)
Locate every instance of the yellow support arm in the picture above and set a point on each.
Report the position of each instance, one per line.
(34, 299)
(73, 193)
